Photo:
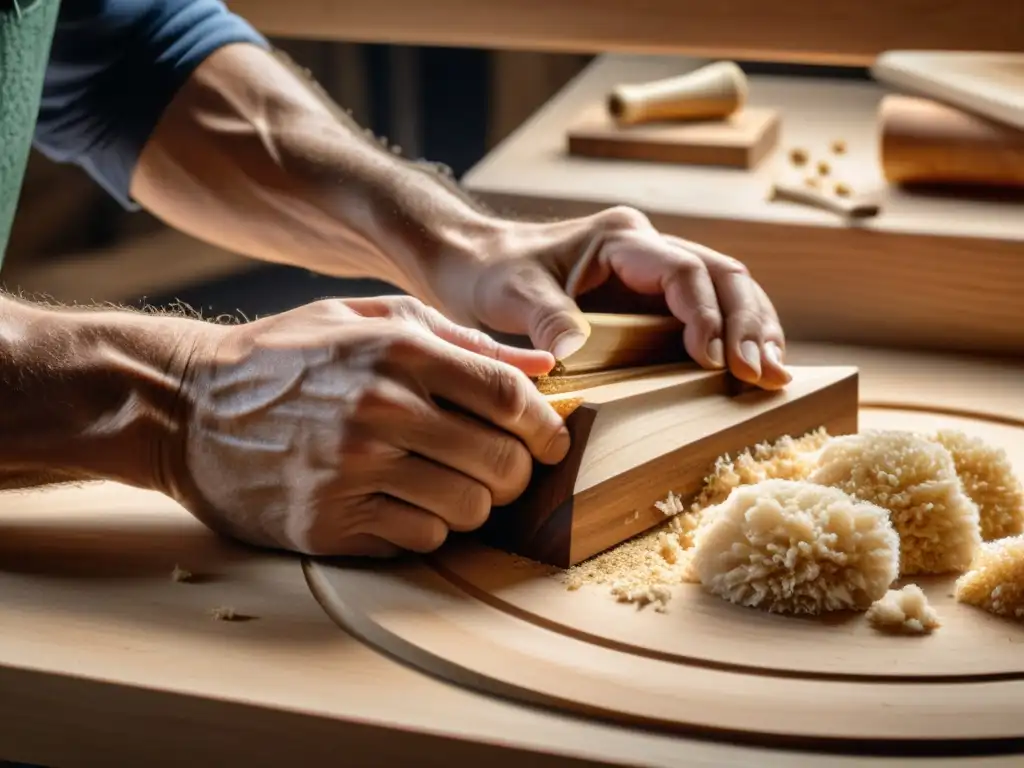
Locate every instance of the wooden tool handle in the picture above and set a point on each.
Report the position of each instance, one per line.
(925, 142)
(710, 93)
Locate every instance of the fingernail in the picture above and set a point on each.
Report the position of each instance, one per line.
(751, 355)
(716, 353)
(773, 352)
(568, 344)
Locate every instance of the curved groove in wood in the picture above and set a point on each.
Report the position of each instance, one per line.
(694, 661)
(461, 658)
(959, 413)
(447, 626)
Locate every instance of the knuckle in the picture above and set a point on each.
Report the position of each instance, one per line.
(509, 460)
(474, 506)
(405, 306)
(369, 399)
(707, 318)
(402, 345)
(746, 320)
(509, 393)
(432, 534)
(727, 265)
(688, 267)
(624, 217)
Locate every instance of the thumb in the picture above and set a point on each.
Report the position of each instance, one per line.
(528, 299)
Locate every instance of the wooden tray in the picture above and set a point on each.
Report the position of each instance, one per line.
(483, 619)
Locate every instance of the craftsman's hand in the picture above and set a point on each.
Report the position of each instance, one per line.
(359, 427)
(532, 274)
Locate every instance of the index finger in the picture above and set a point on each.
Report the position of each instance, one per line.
(493, 391)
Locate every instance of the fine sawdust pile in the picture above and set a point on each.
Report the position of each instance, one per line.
(989, 481)
(772, 548)
(995, 580)
(786, 459)
(916, 480)
(903, 611)
(794, 547)
(643, 569)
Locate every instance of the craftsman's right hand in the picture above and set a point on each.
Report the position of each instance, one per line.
(358, 427)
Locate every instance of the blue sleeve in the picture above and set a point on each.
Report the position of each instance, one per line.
(114, 67)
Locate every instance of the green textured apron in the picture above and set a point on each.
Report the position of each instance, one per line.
(26, 32)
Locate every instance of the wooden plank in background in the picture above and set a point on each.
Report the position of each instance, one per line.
(811, 31)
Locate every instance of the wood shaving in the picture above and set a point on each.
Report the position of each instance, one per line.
(989, 480)
(995, 580)
(566, 406)
(180, 574)
(226, 613)
(643, 569)
(914, 478)
(790, 546)
(903, 611)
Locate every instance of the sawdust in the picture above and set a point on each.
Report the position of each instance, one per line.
(903, 611)
(644, 569)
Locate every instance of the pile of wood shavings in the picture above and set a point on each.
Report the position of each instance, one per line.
(644, 569)
(903, 611)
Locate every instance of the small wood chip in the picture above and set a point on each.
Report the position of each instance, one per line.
(180, 574)
(839, 147)
(843, 190)
(823, 168)
(798, 157)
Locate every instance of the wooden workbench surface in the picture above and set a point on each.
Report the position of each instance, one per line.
(805, 30)
(104, 659)
(888, 279)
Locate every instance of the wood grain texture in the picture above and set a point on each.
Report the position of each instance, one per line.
(619, 340)
(816, 31)
(741, 140)
(102, 647)
(496, 624)
(893, 279)
(630, 438)
(986, 84)
(926, 142)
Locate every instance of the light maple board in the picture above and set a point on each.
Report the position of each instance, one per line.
(484, 619)
(104, 660)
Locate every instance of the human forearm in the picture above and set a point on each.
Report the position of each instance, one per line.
(250, 156)
(87, 394)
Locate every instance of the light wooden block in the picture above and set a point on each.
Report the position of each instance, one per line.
(741, 140)
(633, 440)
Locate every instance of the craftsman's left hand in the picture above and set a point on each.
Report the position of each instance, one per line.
(533, 272)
